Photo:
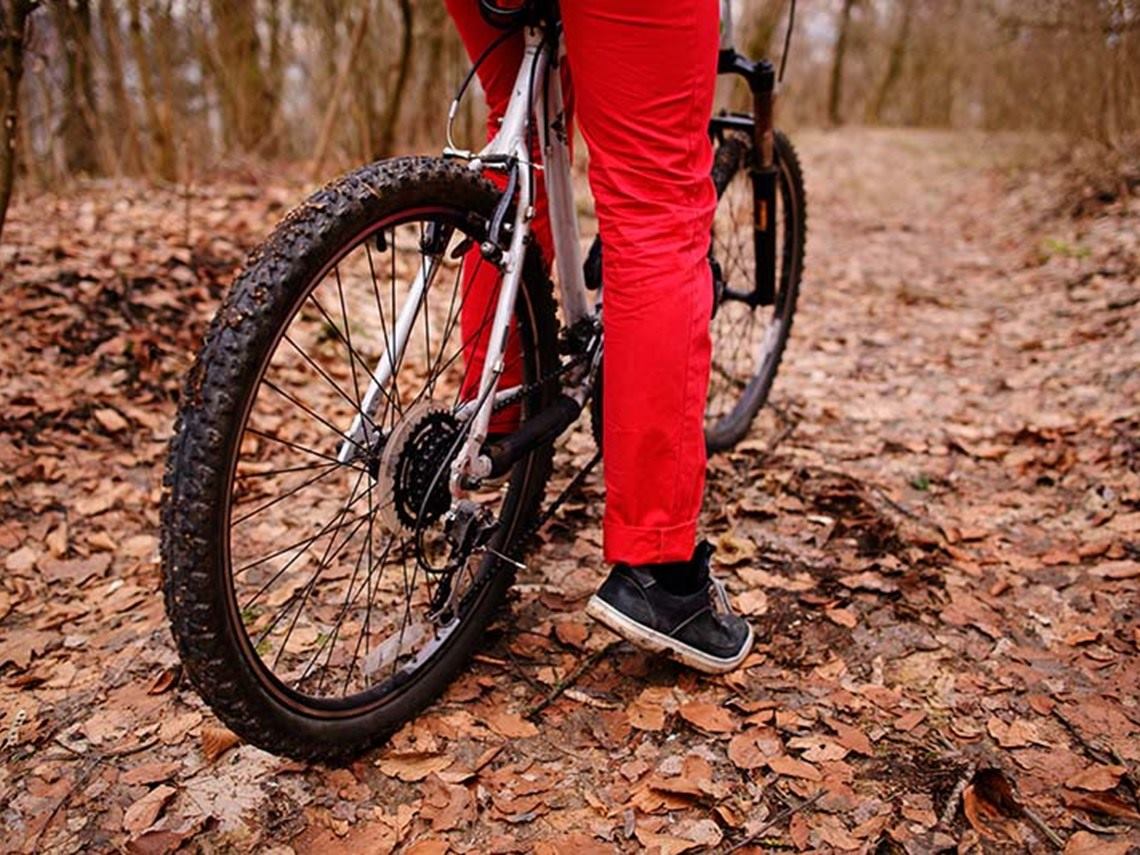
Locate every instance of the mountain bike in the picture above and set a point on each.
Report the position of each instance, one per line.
(340, 519)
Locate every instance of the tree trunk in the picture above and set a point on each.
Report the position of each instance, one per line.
(129, 150)
(396, 96)
(77, 130)
(835, 92)
(13, 35)
(249, 104)
(161, 138)
(337, 95)
(894, 65)
(767, 19)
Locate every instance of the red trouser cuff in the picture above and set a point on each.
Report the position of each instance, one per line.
(630, 544)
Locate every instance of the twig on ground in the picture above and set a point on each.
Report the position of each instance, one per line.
(955, 797)
(1096, 752)
(790, 425)
(569, 680)
(1054, 838)
(778, 818)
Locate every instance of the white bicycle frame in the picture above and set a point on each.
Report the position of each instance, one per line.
(537, 96)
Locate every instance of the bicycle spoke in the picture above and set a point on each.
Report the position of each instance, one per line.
(287, 494)
(353, 355)
(307, 467)
(304, 449)
(332, 383)
(316, 416)
(312, 579)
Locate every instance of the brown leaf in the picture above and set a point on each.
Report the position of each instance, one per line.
(732, 550)
(447, 806)
(799, 831)
(1086, 843)
(165, 680)
(793, 768)
(510, 725)
(1116, 570)
(1016, 735)
(666, 844)
(708, 717)
(1081, 636)
(21, 560)
(754, 577)
(216, 741)
(647, 712)
(174, 728)
(842, 617)
(752, 748)
(869, 581)
(833, 832)
(413, 766)
(428, 847)
(572, 633)
(74, 570)
(1103, 803)
(989, 805)
(852, 737)
(142, 814)
(1096, 778)
(163, 841)
(150, 773)
(752, 602)
(110, 420)
(910, 720)
(818, 749)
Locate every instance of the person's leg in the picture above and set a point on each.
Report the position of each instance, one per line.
(644, 74)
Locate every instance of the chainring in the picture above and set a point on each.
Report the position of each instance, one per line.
(413, 477)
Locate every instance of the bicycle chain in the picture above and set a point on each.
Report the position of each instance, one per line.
(522, 391)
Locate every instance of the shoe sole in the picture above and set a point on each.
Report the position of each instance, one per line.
(649, 639)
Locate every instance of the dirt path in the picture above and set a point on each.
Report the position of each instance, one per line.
(936, 532)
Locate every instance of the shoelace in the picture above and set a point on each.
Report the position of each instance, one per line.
(721, 595)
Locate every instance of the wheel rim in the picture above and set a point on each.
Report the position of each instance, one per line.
(334, 620)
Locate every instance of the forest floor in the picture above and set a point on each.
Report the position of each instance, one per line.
(935, 530)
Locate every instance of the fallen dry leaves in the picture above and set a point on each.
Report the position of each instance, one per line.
(1097, 778)
(938, 556)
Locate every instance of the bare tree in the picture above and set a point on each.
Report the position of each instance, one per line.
(248, 100)
(765, 21)
(129, 149)
(157, 115)
(396, 96)
(320, 151)
(14, 16)
(835, 90)
(894, 64)
(77, 129)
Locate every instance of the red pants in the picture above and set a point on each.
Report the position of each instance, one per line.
(644, 73)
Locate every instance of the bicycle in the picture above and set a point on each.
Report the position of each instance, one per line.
(339, 524)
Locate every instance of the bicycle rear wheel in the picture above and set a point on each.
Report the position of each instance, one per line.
(292, 545)
(748, 341)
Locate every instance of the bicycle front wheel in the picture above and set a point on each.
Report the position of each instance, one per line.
(748, 341)
(293, 541)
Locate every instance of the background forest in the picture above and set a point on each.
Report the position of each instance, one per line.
(175, 89)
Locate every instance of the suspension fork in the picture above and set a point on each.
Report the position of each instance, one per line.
(764, 171)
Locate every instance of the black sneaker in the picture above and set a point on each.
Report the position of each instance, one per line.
(699, 629)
